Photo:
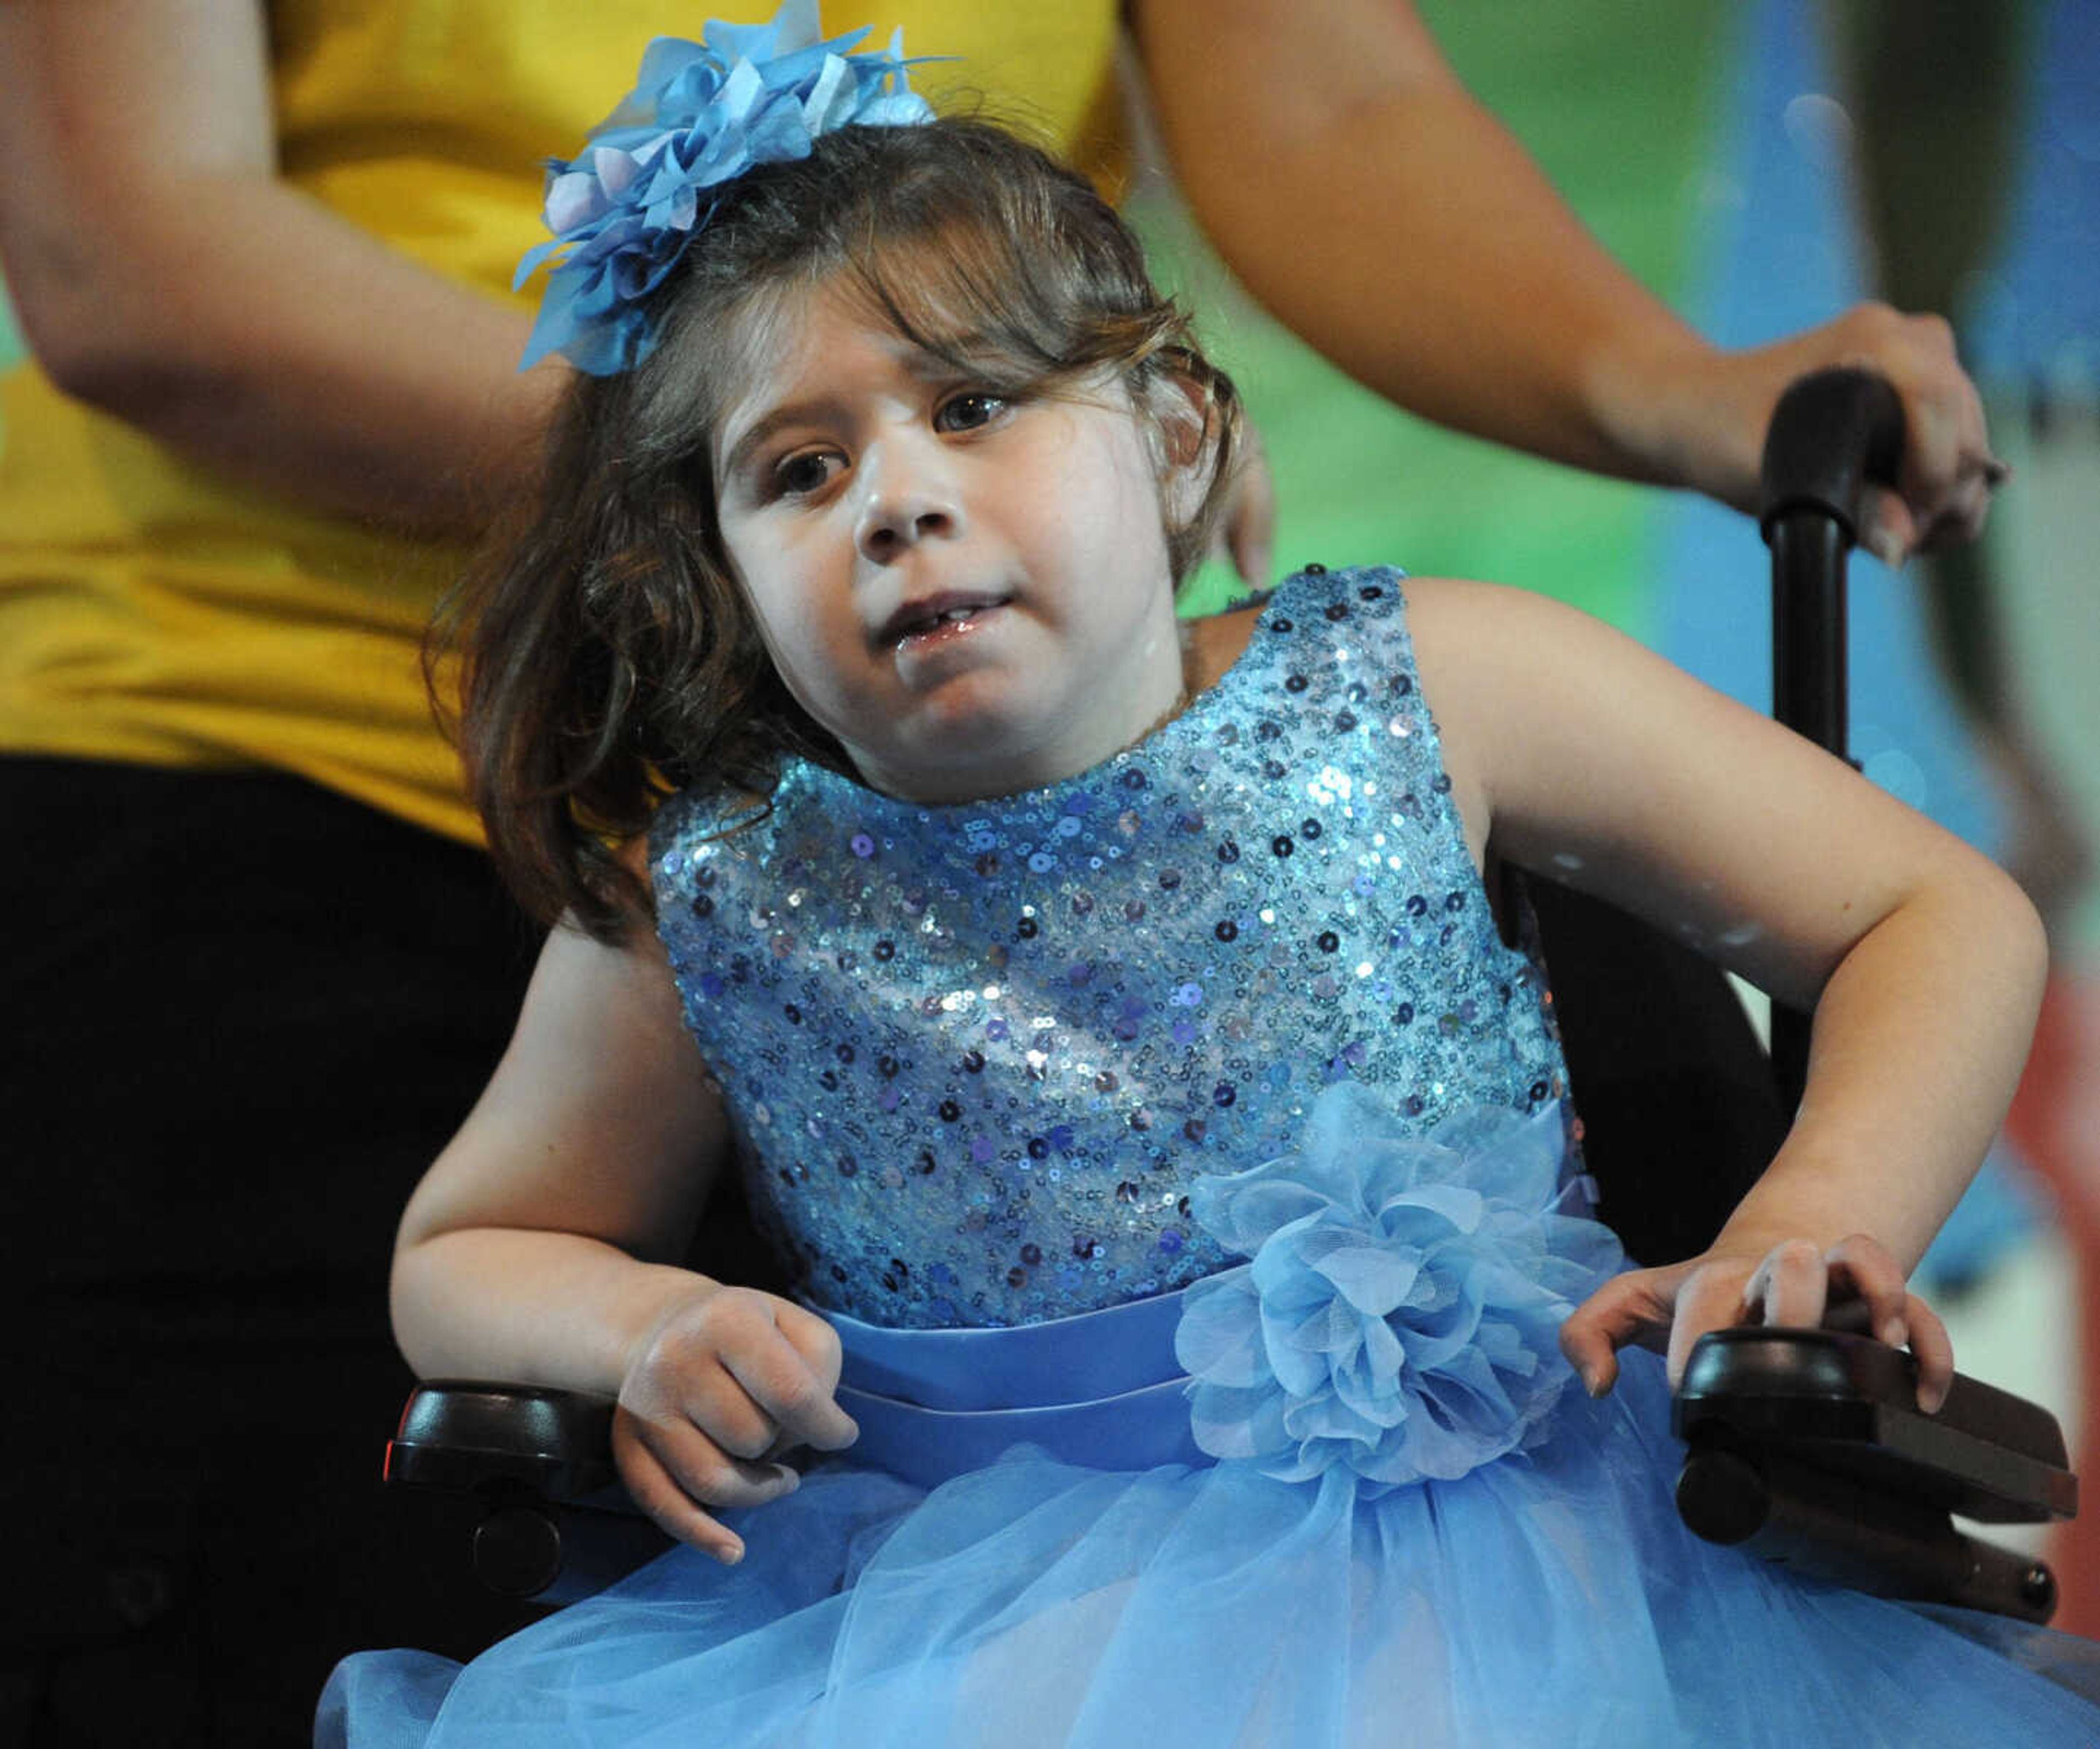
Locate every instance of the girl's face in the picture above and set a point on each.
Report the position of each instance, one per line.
(970, 591)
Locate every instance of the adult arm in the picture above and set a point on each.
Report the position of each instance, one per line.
(1574, 751)
(1356, 188)
(164, 274)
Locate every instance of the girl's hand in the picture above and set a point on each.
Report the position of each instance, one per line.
(725, 1385)
(1792, 1284)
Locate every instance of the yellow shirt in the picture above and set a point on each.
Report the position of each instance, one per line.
(150, 611)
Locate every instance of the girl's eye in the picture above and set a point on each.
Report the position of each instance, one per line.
(806, 472)
(970, 411)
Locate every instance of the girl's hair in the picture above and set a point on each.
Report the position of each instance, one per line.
(606, 654)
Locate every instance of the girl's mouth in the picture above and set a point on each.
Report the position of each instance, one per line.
(928, 625)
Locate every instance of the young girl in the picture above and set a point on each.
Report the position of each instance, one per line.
(1037, 959)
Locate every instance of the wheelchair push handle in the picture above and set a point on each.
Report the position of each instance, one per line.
(1833, 434)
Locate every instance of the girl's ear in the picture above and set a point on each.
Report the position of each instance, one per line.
(1187, 433)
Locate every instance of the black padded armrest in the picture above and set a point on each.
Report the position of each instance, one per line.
(1807, 1446)
(473, 1438)
(536, 1461)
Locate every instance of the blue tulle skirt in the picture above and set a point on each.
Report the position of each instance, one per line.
(1027, 1550)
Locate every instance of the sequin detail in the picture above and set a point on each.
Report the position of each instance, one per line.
(975, 1055)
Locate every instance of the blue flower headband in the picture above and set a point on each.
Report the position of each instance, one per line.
(700, 115)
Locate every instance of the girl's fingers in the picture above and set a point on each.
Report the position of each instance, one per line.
(723, 1411)
(1790, 1286)
(707, 1475)
(756, 1372)
(713, 1477)
(674, 1514)
(796, 1399)
(1713, 1297)
(720, 1389)
(1934, 1349)
(1634, 1307)
(718, 1479)
(1864, 1266)
(813, 1338)
(1860, 1268)
(1589, 1338)
(817, 1342)
(675, 1472)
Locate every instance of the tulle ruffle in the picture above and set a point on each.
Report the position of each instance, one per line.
(1548, 1598)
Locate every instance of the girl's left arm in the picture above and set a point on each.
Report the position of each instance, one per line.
(1576, 751)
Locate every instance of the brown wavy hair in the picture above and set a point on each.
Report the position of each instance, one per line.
(604, 651)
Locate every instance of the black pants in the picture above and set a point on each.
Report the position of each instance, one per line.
(238, 1016)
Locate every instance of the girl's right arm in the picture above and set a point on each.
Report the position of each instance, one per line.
(542, 1247)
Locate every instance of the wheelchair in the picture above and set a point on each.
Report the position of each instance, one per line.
(1803, 1446)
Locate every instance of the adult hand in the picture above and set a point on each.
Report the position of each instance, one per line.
(723, 1386)
(1794, 1283)
(1722, 403)
(1247, 530)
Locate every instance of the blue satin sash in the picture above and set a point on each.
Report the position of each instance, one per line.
(1100, 1388)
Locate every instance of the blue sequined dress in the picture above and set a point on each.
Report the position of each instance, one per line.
(1021, 1087)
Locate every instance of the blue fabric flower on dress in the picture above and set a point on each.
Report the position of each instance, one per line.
(700, 115)
(1401, 1314)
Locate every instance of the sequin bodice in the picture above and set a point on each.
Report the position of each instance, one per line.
(974, 1054)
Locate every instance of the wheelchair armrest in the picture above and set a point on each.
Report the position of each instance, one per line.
(539, 1464)
(1807, 1446)
(501, 1439)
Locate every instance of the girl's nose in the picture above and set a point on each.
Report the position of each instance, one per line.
(909, 500)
